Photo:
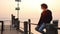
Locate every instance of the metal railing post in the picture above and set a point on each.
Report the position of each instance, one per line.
(29, 26)
(2, 26)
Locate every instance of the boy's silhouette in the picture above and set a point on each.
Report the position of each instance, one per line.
(46, 17)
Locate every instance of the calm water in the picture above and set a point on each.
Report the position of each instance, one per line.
(8, 22)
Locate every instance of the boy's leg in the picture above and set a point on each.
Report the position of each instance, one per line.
(41, 28)
(38, 26)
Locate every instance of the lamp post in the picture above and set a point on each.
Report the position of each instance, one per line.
(17, 8)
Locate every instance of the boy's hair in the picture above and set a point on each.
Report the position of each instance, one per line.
(44, 5)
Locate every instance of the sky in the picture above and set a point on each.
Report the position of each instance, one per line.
(28, 8)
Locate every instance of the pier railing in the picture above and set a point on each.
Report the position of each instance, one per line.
(50, 28)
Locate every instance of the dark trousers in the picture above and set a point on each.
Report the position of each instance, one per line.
(40, 28)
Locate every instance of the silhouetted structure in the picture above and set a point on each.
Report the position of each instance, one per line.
(17, 8)
(52, 28)
(12, 18)
(15, 22)
(18, 0)
(2, 27)
(25, 27)
(29, 26)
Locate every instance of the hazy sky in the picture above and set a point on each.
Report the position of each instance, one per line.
(28, 8)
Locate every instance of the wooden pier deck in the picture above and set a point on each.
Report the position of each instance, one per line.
(12, 31)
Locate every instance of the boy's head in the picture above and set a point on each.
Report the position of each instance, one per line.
(44, 6)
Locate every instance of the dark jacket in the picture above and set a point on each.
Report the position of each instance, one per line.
(46, 17)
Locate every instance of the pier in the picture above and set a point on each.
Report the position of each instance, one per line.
(15, 27)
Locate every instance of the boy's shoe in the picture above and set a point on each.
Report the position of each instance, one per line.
(37, 28)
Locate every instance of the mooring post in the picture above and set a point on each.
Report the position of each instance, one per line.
(52, 28)
(17, 24)
(55, 22)
(25, 27)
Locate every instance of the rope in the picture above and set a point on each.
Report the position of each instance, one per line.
(28, 23)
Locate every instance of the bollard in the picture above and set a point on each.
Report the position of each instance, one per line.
(52, 28)
(25, 27)
(55, 22)
(29, 26)
(17, 23)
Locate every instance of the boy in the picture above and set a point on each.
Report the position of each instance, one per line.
(46, 17)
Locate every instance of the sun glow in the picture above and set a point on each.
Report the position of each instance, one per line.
(28, 7)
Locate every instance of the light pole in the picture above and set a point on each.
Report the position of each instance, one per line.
(17, 8)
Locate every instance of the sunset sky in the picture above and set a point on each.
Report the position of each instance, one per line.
(28, 8)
